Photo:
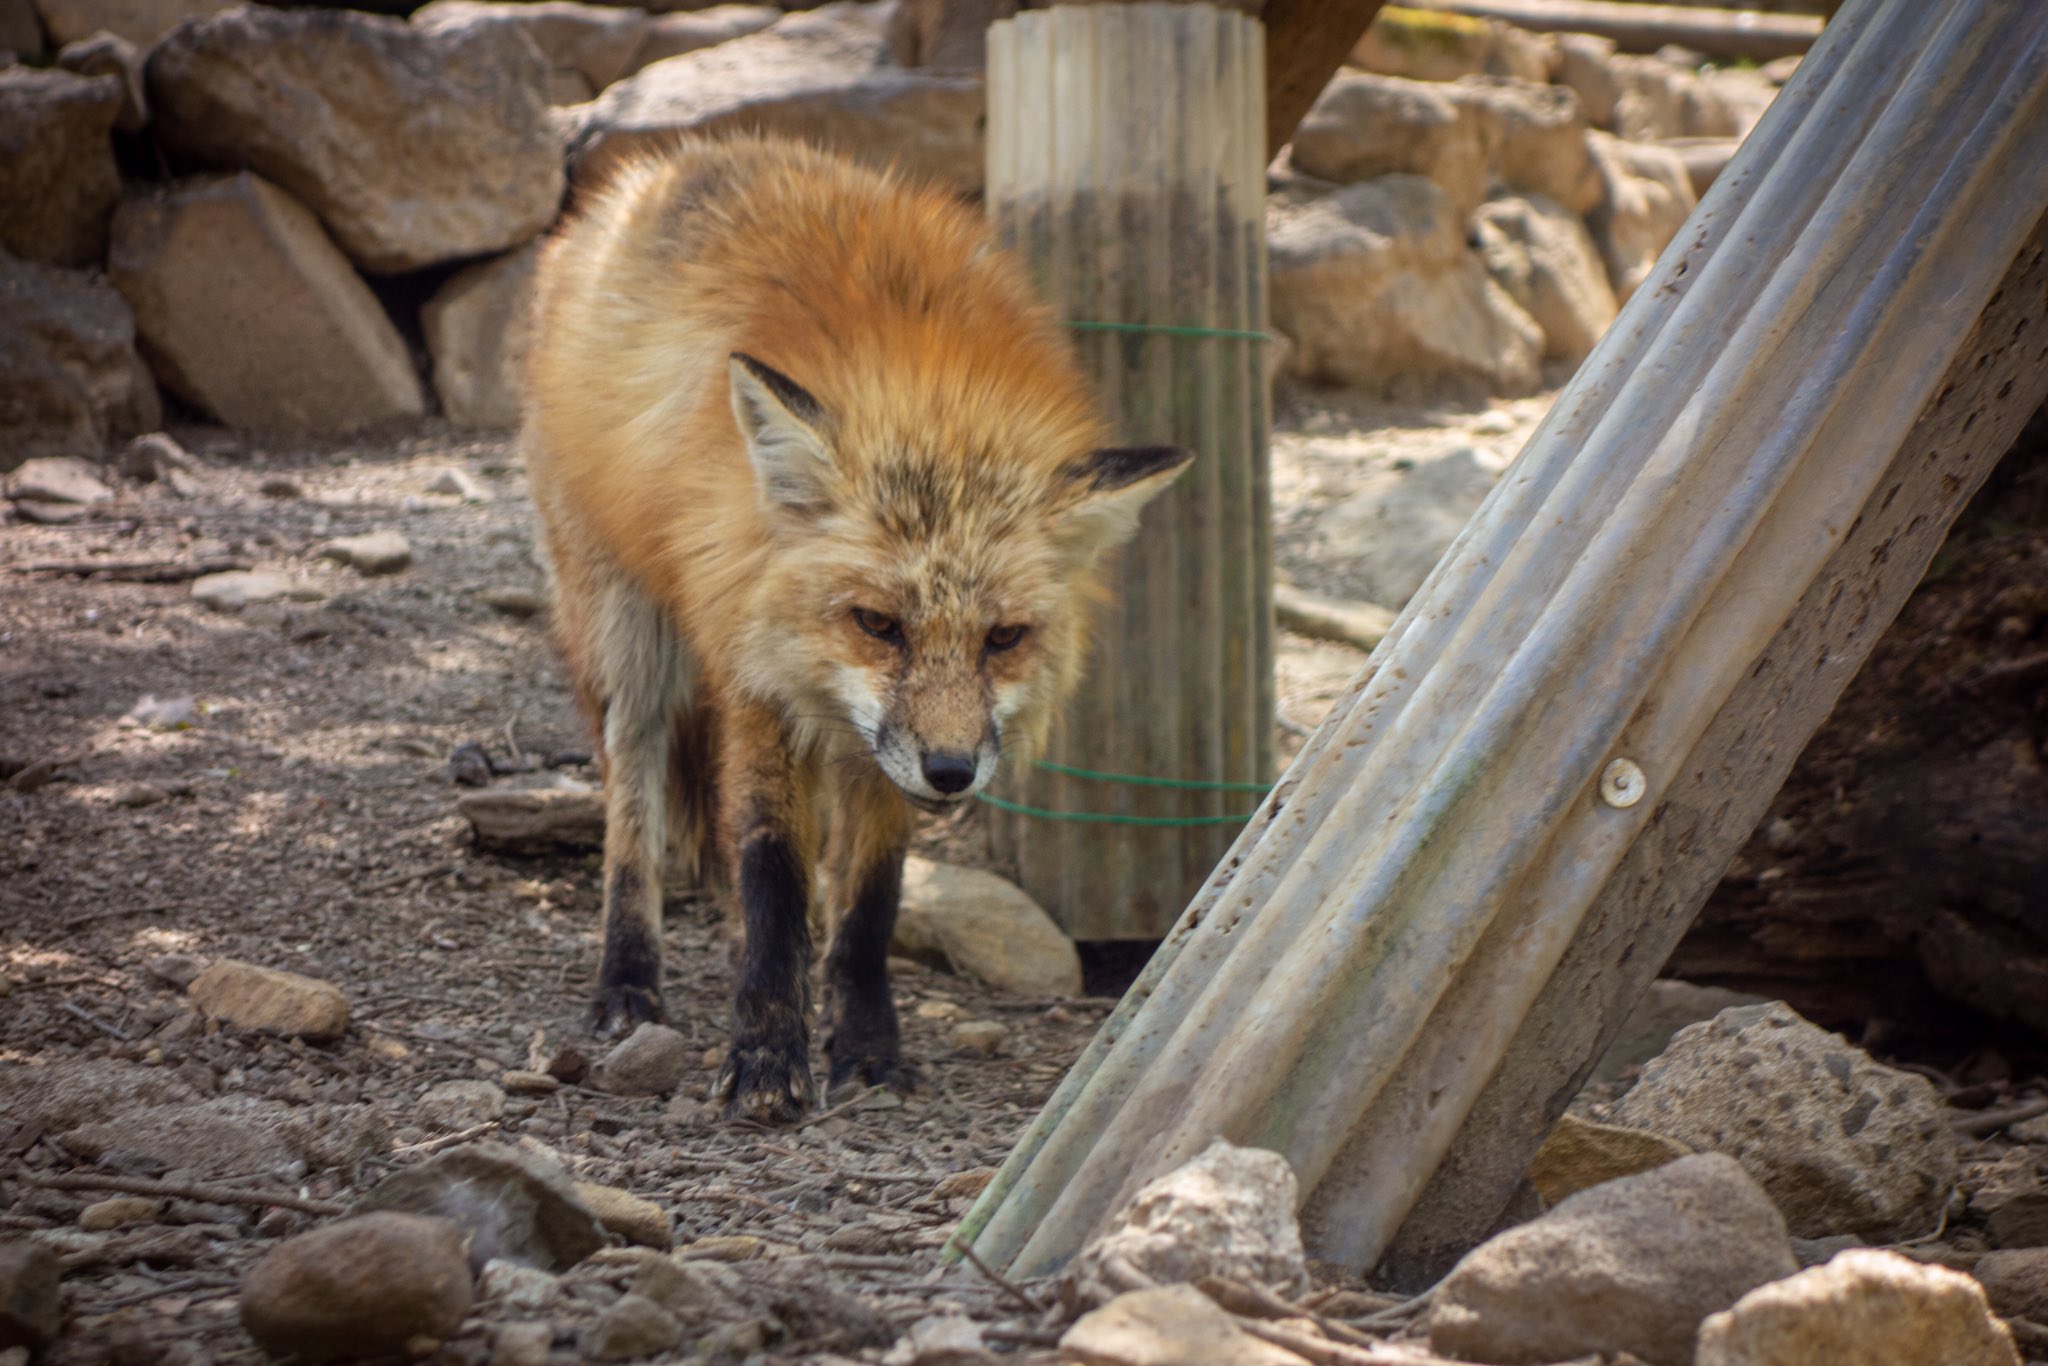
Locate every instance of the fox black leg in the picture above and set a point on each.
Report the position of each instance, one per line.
(767, 1073)
(866, 1041)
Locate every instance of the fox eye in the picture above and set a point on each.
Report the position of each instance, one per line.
(1002, 638)
(879, 625)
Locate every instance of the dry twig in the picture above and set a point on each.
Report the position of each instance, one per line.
(177, 1190)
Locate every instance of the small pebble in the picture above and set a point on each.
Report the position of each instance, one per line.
(979, 1036)
(634, 1327)
(117, 1212)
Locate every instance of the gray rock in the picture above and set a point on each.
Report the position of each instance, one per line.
(372, 554)
(58, 183)
(414, 145)
(2016, 1282)
(1229, 1212)
(246, 309)
(1585, 66)
(1363, 126)
(633, 1327)
(1542, 255)
(60, 1096)
(59, 479)
(514, 602)
(478, 330)
(135, 795)
(1172, 1325)
(216, 1137)
(164, 713)
(985, 926)
(71, 378)
(522, 1344)
(175, 969)
(1377, 288)
(459, 483)
(671, 35)
(696, 1292)
(238, 588)
(461, 1104)
(1867, 1306)
(362, 1287)
(1645, 194)
(1842, 1143)
(819, 75)
(109, 54)
(516, 1285)
(156, 455)
(1462, 136)
(513, 1203)
(1629, 1266)
(1667, 1007)
(250, 996)
(30, 1308)
(597, 42)
(141, 22)
(1384, 538)
(647, 1062)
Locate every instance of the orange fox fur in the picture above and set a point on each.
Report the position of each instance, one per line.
(824, 499)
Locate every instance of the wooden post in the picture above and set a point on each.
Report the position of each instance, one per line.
(1127, 165)
(1403, 967)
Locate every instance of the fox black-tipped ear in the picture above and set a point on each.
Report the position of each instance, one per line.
(785, 431)
(1115, 483)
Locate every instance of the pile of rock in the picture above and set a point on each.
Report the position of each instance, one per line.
(1468, 200)
(316, 220)
(270, 213)
(1755, 1134)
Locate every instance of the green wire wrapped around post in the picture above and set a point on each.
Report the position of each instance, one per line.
(1127, 166)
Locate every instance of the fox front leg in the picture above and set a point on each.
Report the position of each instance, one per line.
(865, 1042)
(767, 1072)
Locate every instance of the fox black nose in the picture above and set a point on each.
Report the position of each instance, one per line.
(949, 770)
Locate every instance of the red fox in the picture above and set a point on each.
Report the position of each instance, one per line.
(824, 498)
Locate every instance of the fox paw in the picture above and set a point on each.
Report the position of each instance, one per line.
(618, 1010)
(855, 1072)
(767, 1081)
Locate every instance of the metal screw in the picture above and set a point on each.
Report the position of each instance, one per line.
(1622, 783)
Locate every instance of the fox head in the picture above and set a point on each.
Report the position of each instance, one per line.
(939, 596)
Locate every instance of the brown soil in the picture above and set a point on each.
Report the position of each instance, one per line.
(305, 820)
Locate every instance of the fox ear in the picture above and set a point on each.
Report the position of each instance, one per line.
(1114, 484)
(785, 432)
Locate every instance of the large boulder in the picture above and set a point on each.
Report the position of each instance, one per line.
(977, 923)
(1542, 255)
(1464, 135)
(671, 35)
(363, 1287)
(1380, 541)
(141, 22)
(1585, 66)
(1630, 1266)
(822, 76)
(597, 42)
(1645, 194)
(478, 330)
(109, 54)
(58, 182)
(1228, 1212)
(1842, 1143)
(246, 309)
(1868, 1306)
(70, 376)
(1377, 289)
(413, 144)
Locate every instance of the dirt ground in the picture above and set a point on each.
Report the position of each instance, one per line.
(302, 817)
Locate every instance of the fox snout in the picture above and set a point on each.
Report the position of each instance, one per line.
(936, 775)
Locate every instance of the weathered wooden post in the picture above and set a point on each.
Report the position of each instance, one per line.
(1409, 961)
(1127, 154)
